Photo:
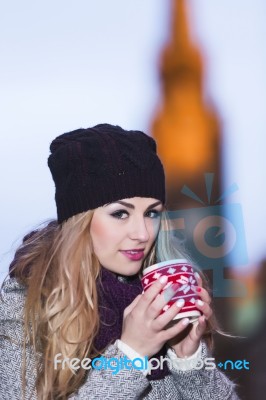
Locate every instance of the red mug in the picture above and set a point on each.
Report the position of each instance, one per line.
(178, 271)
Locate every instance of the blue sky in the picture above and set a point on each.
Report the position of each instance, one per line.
(67, 64)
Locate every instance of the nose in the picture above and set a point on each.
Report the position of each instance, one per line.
(139, 229)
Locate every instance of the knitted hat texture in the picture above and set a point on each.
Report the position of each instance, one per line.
(99, 165)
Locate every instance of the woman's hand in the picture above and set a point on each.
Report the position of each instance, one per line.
(143, 326)
(185, 346)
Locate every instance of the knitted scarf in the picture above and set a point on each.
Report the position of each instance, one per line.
(115, 293)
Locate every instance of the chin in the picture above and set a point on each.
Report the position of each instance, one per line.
(132, 270)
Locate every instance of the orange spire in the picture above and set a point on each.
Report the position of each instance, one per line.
(185, 128)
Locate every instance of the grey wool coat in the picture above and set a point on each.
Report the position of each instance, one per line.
(100, 384)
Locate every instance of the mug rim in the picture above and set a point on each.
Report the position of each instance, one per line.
(163, 264)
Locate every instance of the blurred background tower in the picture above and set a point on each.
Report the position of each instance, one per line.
(187, 131)
(185, 127)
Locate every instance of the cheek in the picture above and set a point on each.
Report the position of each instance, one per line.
(97, 234)
(102, 234)
(97, 228)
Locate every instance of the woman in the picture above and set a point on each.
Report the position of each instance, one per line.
(75, 285)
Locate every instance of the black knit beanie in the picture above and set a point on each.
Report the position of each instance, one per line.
(95, 166)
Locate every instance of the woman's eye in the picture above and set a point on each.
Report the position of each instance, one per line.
(121, 214)
(154, 213)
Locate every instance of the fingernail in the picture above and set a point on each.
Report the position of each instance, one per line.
(196, 288)
(200, 303)
(163, 279)
(185, 321)
(196, 275)
(180, 302)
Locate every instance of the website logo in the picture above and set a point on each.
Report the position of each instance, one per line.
(141, 364)
(231, 365)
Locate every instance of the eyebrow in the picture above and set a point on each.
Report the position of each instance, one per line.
(129, 205)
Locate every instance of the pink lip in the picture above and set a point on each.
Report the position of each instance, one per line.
(134, 257)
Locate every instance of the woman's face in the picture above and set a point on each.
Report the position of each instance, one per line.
(123, 233)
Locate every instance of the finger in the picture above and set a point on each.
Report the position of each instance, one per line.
(198, 278)
(161, 301)
(131, 306)
(204, 308)
(150, 294)
(162, 320)
(202, 293)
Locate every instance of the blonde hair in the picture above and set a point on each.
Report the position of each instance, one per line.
(59, 269)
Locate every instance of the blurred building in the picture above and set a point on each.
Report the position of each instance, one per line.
(186, 128)
(188, 134)
(187, 131)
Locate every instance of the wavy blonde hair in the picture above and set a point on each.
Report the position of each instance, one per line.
(59, 268)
